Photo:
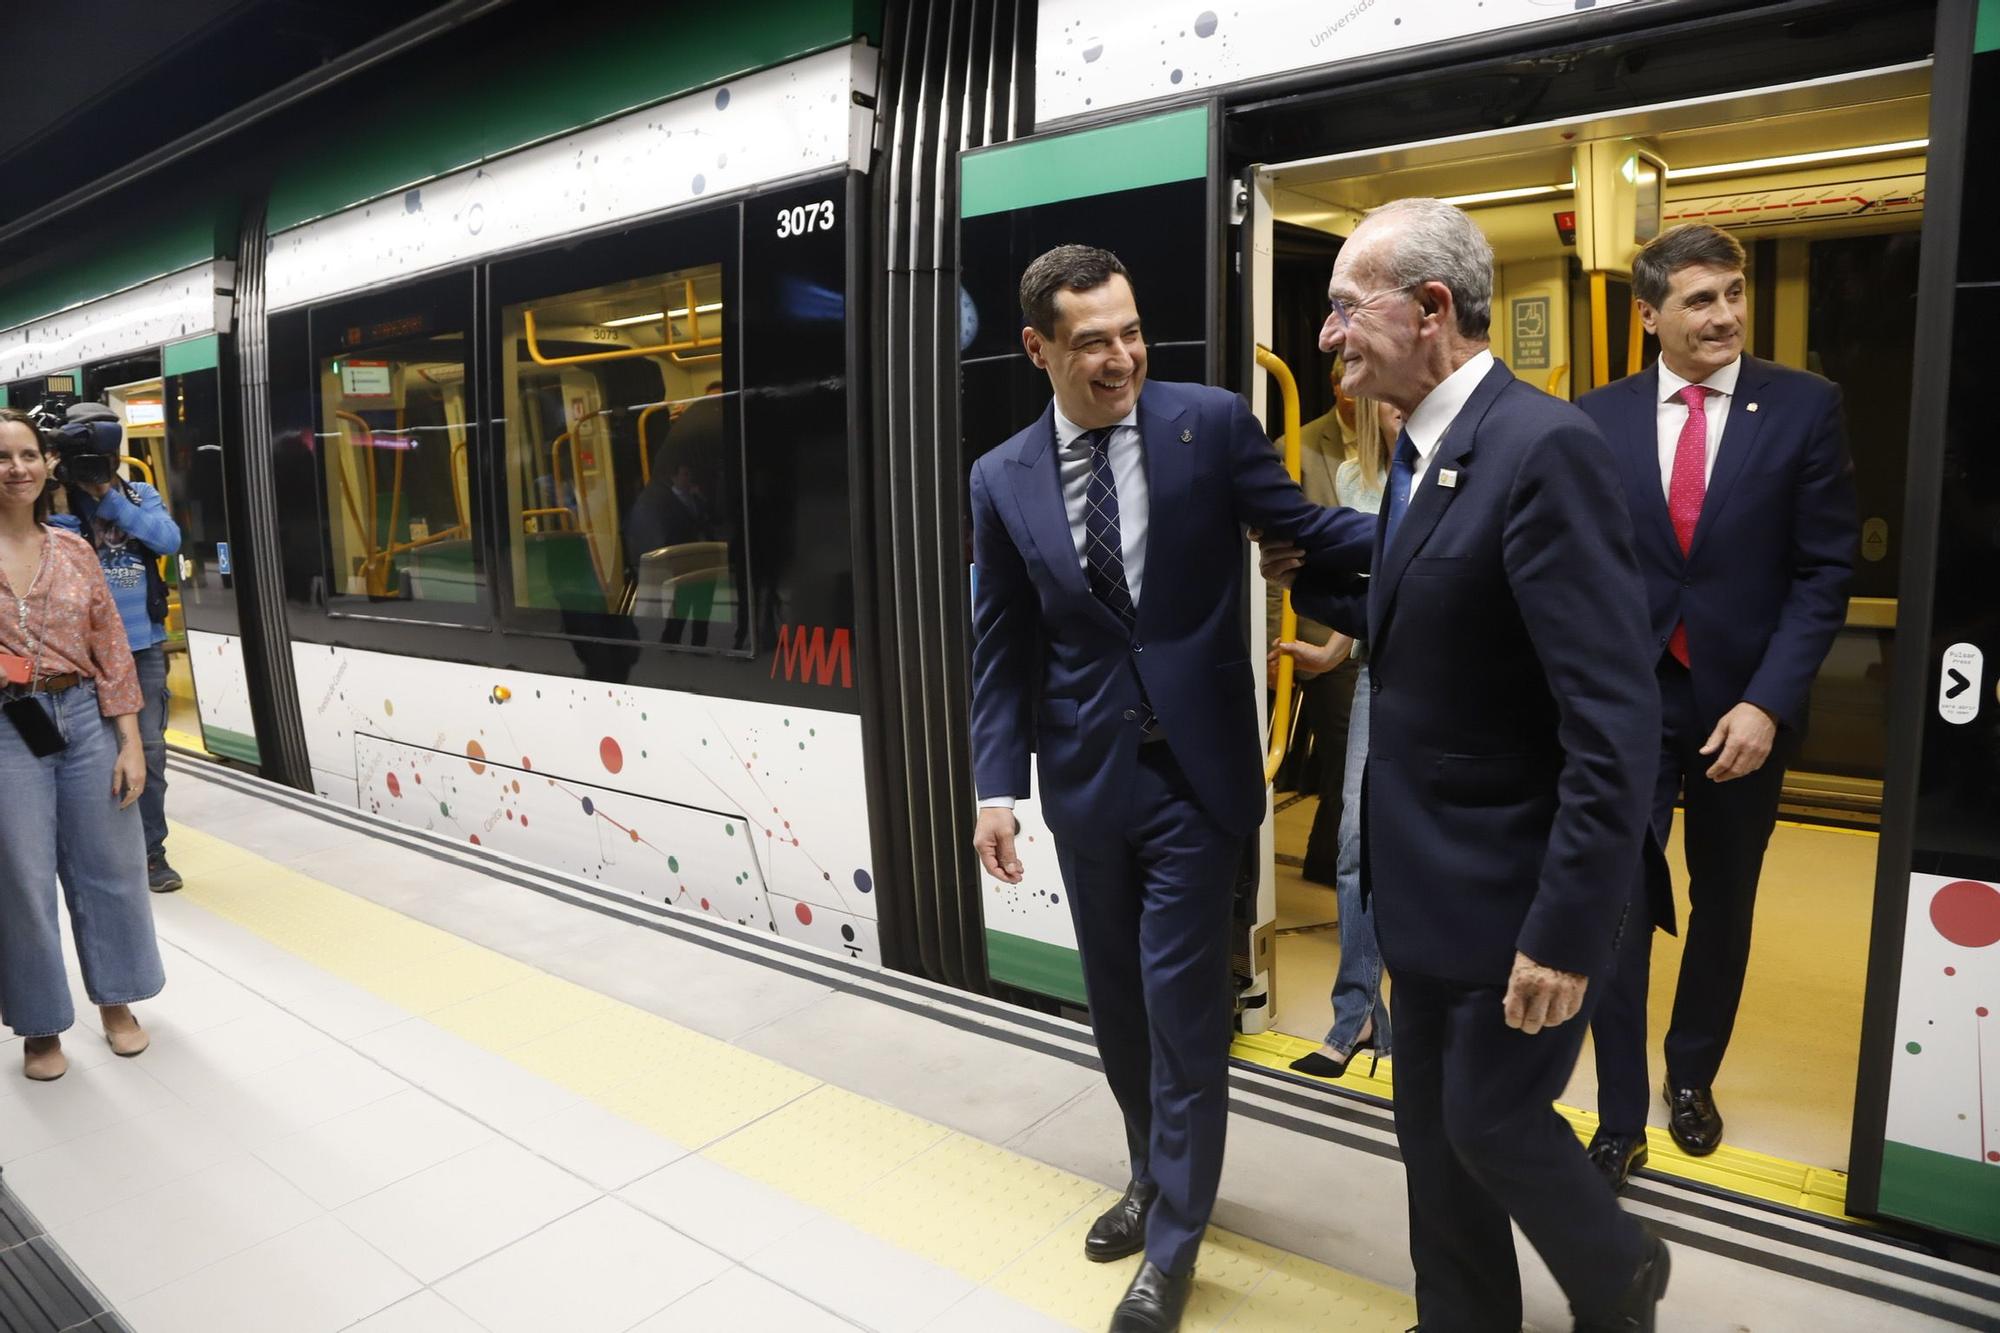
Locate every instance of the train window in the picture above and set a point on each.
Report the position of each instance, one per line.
(624, 476)
(395, 449)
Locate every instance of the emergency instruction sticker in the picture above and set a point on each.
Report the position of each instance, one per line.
(1958, 683)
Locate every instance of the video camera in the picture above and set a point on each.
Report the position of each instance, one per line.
(86, 436)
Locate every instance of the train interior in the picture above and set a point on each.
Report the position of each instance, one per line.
(616, 485)
(1823, 183)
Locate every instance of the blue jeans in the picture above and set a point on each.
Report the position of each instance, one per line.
(59, 819)
(1357, 987)
(152, 664)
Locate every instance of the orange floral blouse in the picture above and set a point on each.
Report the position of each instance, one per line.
(73, 619)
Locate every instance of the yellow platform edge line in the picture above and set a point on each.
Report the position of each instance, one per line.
(1819, 1190)
(907, 1199)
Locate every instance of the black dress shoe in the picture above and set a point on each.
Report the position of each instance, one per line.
(1639, 1308)
(1154, 1301)
(1617, 1156)
(1693, 1120)
(1122, 1228)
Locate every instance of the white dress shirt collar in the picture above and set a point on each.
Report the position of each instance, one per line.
(1067, 430)
(1441, 406)
(1722, 381)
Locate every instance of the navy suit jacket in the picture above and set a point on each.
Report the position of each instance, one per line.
(1056, 671)
(1763, 587)
(1514, 724)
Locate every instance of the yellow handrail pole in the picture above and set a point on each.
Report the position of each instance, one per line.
(145, 468)
(619, 354)
(1600, 334)
(367, 529)
(1288, 619)
(1556, 377)
(646, 445)
(1635, 342)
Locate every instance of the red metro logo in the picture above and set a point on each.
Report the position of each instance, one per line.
(811, 655)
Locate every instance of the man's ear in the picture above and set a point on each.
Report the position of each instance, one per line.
(1031, 343)
(1649, 318)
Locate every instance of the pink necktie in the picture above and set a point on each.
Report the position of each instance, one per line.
(1686, 489)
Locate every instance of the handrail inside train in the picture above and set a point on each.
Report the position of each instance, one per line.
(1288, 619)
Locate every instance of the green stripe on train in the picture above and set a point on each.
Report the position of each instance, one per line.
(1030, 965)
(1131, 156)
(544, 80)
(1933, 1189)
(184, 358)
(1986, 37)
(230, 744)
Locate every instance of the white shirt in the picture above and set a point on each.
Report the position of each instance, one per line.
(1441, 406)
(1673, 413)
(1128, 478)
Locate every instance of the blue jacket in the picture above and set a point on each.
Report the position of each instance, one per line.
(1763, 587)
(135, 534)
(1055, 671)
(1514, 721)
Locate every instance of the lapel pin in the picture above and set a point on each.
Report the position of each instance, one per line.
(1187, 437)
(1447, 478)
(1749, 407)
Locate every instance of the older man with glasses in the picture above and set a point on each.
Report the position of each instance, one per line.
(1513, 726)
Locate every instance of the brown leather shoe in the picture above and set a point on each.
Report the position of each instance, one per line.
(126, 1038)
(42, 1059)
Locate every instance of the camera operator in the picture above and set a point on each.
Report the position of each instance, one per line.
(129, 527)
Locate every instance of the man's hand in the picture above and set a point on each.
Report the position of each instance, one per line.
(1744, 737)
(97, 489)
(1540, 997)
(1278, 558)
(993, 839)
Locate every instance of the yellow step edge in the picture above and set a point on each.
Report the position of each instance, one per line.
(1813, 1189)
(894, 1176)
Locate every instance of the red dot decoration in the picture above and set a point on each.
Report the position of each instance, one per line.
(704, 904)
(524, 821)
(612, 757)
(635, 834)
(475, 840)
(417, 778)
(526, 762)
(1981, 1011)
(517, 788)
(1967, 912)
(510, 816)
(804, 914)
(1993, 1156)
(474, 754)
(395, 787)
(1951, 971)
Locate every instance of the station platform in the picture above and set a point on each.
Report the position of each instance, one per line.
(403, 1085)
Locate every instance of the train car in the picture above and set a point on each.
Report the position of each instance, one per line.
(574, 466)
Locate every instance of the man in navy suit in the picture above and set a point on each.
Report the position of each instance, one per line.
(1741, 493)
(1513, 721)
(1110, 639)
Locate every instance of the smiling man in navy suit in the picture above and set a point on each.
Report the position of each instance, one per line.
(1512, 724)
(1742, 499)
(1110, 639)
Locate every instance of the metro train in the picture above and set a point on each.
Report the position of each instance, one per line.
(578, 472)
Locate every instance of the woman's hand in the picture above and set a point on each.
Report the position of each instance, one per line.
(1315, 659)
(128, 770)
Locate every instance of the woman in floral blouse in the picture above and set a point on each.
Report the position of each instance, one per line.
(71, 766)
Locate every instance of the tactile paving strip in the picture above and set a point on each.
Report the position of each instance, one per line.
(994, 1217)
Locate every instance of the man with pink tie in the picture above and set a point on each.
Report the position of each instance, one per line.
(1741, 492)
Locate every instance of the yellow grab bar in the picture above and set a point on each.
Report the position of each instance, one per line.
(693, 342)
(1288, 619)
(1556, 377)
(145, 468)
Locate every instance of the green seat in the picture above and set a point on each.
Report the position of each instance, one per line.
(560, 573)
(441, 572)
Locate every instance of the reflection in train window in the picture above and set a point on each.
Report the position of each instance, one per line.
(623, 475)
(395, 453)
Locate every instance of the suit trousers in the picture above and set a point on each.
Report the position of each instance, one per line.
(1482, 1145)
(1151, 902)
(1726, 829)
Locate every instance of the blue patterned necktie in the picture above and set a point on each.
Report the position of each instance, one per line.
(1402, 472)
(1103, 543)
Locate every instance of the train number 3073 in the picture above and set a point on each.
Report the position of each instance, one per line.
(804, 218)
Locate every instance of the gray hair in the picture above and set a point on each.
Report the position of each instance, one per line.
(1440, 243)
(1677, 248)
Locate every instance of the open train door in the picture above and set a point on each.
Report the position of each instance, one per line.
(1147, 190)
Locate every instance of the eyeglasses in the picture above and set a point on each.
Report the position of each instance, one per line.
(1344, 309)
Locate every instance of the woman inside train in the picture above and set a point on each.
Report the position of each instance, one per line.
(1360, 1012)
(71, 768)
